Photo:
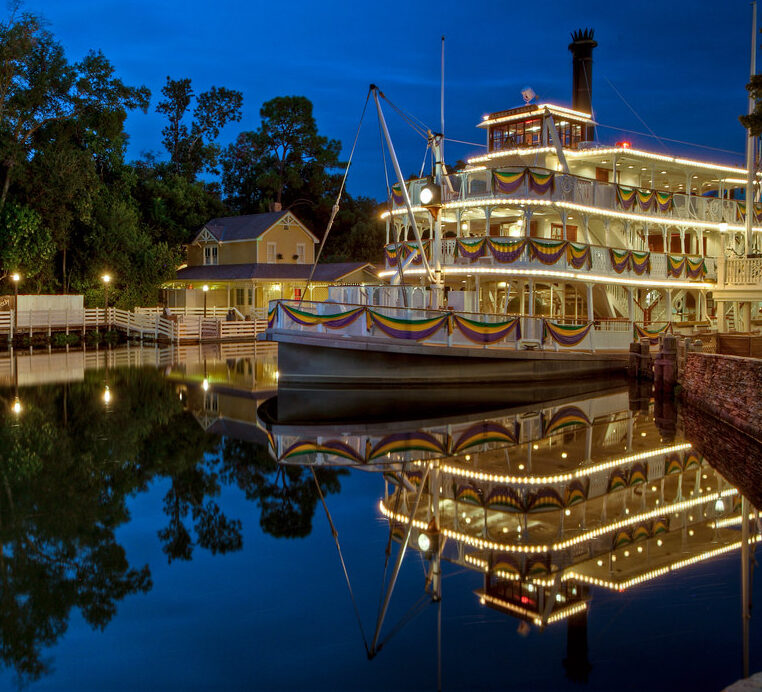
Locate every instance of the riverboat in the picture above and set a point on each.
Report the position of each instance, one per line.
(542, 259)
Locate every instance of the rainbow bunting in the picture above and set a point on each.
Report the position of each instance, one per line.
(664, 201)
(397, 196)
(537, 566)
(660, 525)
(544, 499)
(468, 495)
(335, 321)
(505, 562)
(617, 480)
(576, 492)
(487, 332)
(506, 251)
(413, 249)
(565, 334)
(564, 417)
(695, 268)
(638, 474)
(674, 464)
(651, 334)
(547, 251)
(271, 315)
(641, 532)
(391, 253)
(481, 433)
(541, 182)
(640, 262)
(406, 329)
(333, 447)
(625, 196)
(506, 499)
(691, 460)
(508, 182)
(675, 266)
(578, 255)
(406, 442)
(471, 248)
(622, 537)
(646, 199)
(620, 259)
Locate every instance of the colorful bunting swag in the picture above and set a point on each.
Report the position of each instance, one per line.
(506, 251)
(547, 251)
(695, 268)
(541, 182)
(564, 417)
(508, 182)
(640, 262)
(675, 266)
(471, 248)
(626, 197)
(505, 498)
(397, 196)
(565, 334)
(405, 329)
(335, 321)
(620, 259)
(333, 447)
(646, 199)
(482, 433)
(651, 334)
(578, 256)
(664, 201)
(271, 315)
(468, 495)
(487, 332)
(406, 442)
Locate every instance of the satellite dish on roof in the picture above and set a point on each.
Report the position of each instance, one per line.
(528, 94)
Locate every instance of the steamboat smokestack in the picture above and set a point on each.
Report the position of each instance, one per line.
(581, 48)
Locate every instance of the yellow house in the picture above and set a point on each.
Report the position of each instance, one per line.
(247, 261)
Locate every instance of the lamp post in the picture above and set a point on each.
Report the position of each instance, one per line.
(106, 278)
(16, 277)
(206, 290)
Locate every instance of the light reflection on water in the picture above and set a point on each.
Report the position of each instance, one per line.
(143, 514)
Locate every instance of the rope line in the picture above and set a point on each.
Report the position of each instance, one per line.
(335, 535)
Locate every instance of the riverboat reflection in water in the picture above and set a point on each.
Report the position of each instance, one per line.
(155, 514)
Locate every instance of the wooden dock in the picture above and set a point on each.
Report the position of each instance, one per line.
(143, 324)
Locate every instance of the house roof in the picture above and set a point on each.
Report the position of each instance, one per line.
(332, 271)
(247, 227)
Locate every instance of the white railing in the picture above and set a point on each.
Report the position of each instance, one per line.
(590, 193)
(743, 272)
(600, 260)
(613, 334)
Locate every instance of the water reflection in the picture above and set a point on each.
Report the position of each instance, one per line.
(549, 502)
(73, 453)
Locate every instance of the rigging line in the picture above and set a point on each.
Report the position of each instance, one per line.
(389, 205)
(461, 141)
(335, 534)
(388, 551)
(635, 113)
(416, 123)
(423, 163)
(667, 139)
(335, 208)
(413, 612)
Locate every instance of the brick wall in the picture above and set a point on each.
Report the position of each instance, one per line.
(729, 387)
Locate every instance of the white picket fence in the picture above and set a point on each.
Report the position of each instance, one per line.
(143, 323)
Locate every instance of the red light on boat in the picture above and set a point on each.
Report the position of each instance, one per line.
(624, 145)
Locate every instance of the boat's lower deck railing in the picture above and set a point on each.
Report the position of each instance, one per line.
(449, 328)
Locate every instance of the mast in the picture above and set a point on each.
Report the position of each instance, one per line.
(441, 104)
(750, 138)
(403, 186)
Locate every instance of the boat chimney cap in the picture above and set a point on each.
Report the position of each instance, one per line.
(582, 36)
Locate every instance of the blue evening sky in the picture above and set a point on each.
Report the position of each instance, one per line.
(681, 66)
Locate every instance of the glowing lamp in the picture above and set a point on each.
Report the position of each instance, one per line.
(624, 144)
(424, 542)
(107, 395)
(17, 406)
(16, 277)
(205, 288)
(205, 385)
(106, 278)
(431, 195)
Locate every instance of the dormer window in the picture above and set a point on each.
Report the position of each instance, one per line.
(210, 254)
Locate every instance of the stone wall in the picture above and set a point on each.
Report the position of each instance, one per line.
(729, 387)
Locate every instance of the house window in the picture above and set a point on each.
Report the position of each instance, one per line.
(250, 296)
(239, 296)
(300, 253)
(271, 250)
(557, 232)
(210, 254)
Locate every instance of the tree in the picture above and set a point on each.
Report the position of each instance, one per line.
(25, 244)
(753, 121)
(193, 150)
(38, 86)
(284, 160)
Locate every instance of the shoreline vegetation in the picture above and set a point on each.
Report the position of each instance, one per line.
(73, 207)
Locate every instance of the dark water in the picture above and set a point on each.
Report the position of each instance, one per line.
(151, 542)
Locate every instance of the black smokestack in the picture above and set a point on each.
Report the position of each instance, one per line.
(582, 72)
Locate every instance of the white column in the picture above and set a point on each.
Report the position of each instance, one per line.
(590, 314)
(669, 305)
(631, 303)
(530, 310)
